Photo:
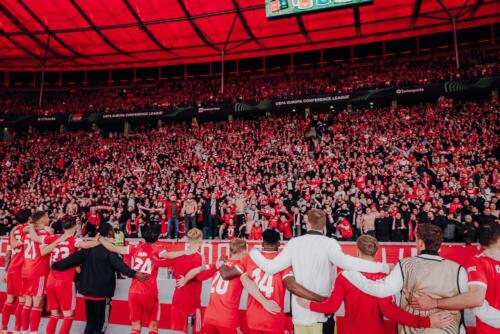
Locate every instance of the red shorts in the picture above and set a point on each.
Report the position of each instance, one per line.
(14, 284)
(213, 329)
(179, 319)
(34, 286)
(61, 295)
(256, 331)
(143, 308)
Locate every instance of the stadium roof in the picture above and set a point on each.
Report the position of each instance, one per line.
(124, 33)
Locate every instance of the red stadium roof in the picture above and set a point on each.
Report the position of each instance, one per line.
(124, 33)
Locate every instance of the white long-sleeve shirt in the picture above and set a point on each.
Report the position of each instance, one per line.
(312, 258)
(392, 284)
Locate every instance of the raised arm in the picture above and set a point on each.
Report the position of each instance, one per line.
(386, 287)
(347, 262)
(279, 263)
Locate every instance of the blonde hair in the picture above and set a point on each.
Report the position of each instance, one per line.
(237, 246)
(367, 245)
(194, 234)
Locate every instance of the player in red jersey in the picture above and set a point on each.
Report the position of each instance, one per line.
(35, 271)
(61, 290)
(484, 285)
(221, 315)
(261, 318)
(186, 300)
(13, 263)
(143, 296)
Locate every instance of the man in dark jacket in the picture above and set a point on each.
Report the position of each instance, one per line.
(97, 280)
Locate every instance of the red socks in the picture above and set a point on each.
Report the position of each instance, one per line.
(66, 325)
(36, 315)
(25, 318)
(19, 312)
(153, 331)
(51, 325)
(6, 313)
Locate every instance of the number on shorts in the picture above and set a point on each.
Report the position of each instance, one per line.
(264, 282)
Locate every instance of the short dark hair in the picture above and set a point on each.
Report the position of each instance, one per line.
(104, 229)
(316, 218)
(488, 234)
(68, 222)
(151, 234)
(38, 215)
(23, 216)
(431, 235)
(271, 237)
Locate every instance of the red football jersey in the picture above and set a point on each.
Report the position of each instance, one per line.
(17, 255)
(271, 287)
(485, 271)
(222, 309)
(144, 260)
(62, 251)
(187, 298)
(35, 265)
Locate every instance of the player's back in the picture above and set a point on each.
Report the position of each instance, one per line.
(272, 288)
(187, 297)
(35, 264)
(361, 309)
(485, 271)
(144, 259)
(60, 252)
(17, 255)
(222, 309)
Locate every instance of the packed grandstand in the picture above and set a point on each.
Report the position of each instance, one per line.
(338, 160)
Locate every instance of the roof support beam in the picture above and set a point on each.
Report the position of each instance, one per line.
(19, 46)
(197, 29)
(416, 13)
(145, 28)
(23, 28)
(475, 8)
(44, 26)
(357, 20)
(303, 29)
(245, 24)
(94, 28)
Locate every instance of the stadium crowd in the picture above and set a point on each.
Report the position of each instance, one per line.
(377, 171)
(334, 78)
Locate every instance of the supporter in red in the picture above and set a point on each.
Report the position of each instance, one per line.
(484, 283)
(256, 232)
(13, 264)
(345, 229)
(93, 221)
(364, 313)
